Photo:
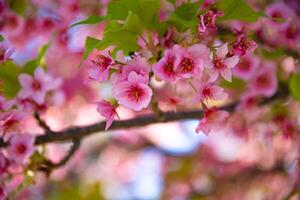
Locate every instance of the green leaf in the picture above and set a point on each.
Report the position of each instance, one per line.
(90, 45)
(1, 38)
(180, 23)
(19, 6)
(188, 11)
(294, 85)
(238, 10)
(236, 83)
(9, 72)
(133, 23)
(90, 20)
(272, 54)
(148, 10)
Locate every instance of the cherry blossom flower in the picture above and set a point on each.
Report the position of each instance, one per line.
(5, 52)
(243, 45)
(9, 122)
(280, 14)
(212, 117)
(207, 22)
(108, 111)
(189, 62)
(222, 65)
(37, 87)
(99, 68)
(133, 93)
(210, 92)
(21, 147)
(246, 67)
(165, 69)
(264, 82)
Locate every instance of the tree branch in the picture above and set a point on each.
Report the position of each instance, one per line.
(42, 123)
(77, 133)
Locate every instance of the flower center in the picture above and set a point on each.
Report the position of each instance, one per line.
(207, 93)
(169, 67)
(186, 65)
(36, 85)
(208, 20)
(218, 64)
(21, 148)
(135, 93)
(102, 61)
(244, 65)
(262, 81)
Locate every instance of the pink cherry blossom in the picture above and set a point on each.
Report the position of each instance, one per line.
(139, 65)
(21, 147)
(99, 68)
(9, 122)
(210, 92)
(222, 65)
(133, 93)
(279, 13)
(246, 67)
(108, 111)
(37, 87)
(3, 193)
(264, 82)
(207, 22)
(5, 52)
(243, 45)
(212, 118)
(189, 62)
(165, 69)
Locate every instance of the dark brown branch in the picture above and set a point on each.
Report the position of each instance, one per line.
(42, 123)
(48, 166)
(80, 132)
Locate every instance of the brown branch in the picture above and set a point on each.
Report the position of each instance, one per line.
(42, 123)
(78, 133)
(48, 166)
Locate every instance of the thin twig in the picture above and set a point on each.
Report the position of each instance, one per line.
(42, 123)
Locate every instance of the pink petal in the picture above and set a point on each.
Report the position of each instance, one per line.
(222, 51)
(226, 74)
(25, 80)
(232, 61)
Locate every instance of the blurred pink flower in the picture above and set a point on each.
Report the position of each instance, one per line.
(99, 68)
(3, 193)
(246, 67)
(4, 164)
(264, 81)
(37, 87)
(243, 45)
(108, 111)
(9, 122)
(212, 117)
(133, 93)
(210, 92)
(222, 65)
(21, 147)
(5, 52)
(207, 22)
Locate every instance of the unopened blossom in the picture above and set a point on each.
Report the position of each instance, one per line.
(10, 122)
(210, 92)
(99, 67)
(265, 81)
(246, 67)
(108, 111)
(212, 118)
(164, 68)
(5, 52)
(221, 65)
(243, 45)
(207, 22)
(21, 147)
(37, 87)
(133, 93)
(190, 62)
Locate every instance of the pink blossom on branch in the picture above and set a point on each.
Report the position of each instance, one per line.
(243, 45)
(222, 65)
(37, 87)
(211, 119)
(207, 22)
(108, 111)
(21, 147)
(99, 67)
(133, 93)
(10, 122)
(210, 92)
